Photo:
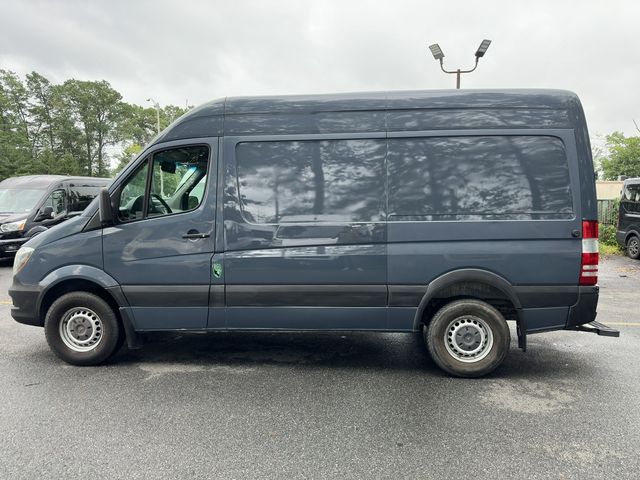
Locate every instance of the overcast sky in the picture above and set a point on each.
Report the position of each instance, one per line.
(179, 51)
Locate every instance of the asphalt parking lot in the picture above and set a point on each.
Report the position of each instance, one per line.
(325, 405)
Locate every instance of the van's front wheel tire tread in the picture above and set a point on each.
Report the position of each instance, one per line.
(112, 333)
(434, 334)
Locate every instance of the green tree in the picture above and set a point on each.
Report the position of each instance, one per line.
(623, 156)
(100, 112)
(141, 126)
(128, 153)
(75, 128)
(41, 95)
(170, 113)
(68, 137)
(15, 145)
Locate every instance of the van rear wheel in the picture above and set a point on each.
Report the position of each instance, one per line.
(633, 247)
(468, 338)
(82, 329)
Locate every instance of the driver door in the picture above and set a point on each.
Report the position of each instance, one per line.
(161, 246)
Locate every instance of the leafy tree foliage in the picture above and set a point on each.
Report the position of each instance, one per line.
(623, 157)
(75, 128)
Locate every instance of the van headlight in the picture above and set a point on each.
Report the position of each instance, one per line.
(12, 226)
(22, 257)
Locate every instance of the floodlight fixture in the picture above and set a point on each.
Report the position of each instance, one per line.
(482, 49)
(436, 51)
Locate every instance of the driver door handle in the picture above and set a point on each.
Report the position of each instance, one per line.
(192, 234)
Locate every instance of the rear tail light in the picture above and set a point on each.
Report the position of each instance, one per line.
(589, 264)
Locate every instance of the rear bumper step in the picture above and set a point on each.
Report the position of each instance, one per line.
(599, 328)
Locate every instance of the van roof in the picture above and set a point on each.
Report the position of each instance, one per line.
(392, 100)
(632, 181)
(44, 181)
(276, 114)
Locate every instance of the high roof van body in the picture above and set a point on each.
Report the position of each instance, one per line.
(442, 212)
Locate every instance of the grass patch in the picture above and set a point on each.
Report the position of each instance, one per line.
(607, 249)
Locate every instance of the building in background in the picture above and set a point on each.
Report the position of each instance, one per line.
(608, 189)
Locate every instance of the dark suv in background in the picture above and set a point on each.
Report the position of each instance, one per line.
(628, 234)
(31, 204)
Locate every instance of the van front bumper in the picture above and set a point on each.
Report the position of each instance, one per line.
(9, 247)
(25, 303)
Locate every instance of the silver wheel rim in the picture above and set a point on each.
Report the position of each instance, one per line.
(81, 329)
(468, 339)
(633, 246)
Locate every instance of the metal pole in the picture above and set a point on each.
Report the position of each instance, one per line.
(458, 72)
(157, 105)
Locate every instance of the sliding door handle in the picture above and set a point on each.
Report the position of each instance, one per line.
(193, 234)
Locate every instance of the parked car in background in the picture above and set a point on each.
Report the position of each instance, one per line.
(628, 234)
(32, 204)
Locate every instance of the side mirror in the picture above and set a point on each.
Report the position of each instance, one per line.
(106, 211)
(45, 214)
(168, 166)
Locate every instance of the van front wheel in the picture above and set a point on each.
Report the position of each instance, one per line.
(468, 338)
(82, 329)
(633, 247)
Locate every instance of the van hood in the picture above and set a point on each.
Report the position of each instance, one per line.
(68, 227)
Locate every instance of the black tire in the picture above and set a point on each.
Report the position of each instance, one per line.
(633, 247)
(480, 317)
(109, 333)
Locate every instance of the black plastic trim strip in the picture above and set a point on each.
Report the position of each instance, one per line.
(406, 295)
(536, 296)
(585, 308)
(216, 296)
(167, 295)
(306, 295)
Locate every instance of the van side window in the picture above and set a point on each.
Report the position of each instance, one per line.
(479, 178)
(131, 203)
(197, 193)
(631, 198)
(177, 184)
(312, 181)
(176, 174)
(57, 200)
(80, 196)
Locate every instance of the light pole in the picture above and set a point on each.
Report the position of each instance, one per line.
(156, 105)
(436, 51)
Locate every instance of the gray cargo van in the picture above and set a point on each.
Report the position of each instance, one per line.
(442, 212)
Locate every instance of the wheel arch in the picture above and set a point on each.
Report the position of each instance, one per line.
(79, 278)
(629, 234)
(467, 283)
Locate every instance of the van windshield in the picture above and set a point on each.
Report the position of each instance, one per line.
(13, 200)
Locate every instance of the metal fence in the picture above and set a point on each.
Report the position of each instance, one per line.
(608, 212)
